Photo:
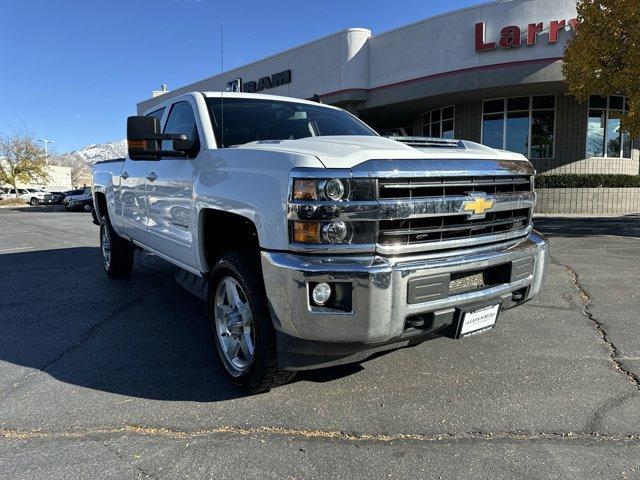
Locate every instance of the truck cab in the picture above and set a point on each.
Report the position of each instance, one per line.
(314, 240)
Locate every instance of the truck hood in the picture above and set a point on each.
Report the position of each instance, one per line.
(349, 151)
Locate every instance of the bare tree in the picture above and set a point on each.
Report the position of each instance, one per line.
(79, 169)
(21, 159)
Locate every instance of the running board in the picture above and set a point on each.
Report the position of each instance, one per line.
(192, 283)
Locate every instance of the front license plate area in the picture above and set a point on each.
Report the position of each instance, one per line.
(478, 320)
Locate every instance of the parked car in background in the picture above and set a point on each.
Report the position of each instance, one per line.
(77, 202)
(30, 195)
(57, 197)
(37, 197)
(3, 193)
(75, 191)
(11, 193)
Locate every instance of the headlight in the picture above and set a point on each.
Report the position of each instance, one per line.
(332, 189)
(336, 232)
(332, 210)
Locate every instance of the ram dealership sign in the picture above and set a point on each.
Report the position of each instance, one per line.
(264, 83)
(513, 36)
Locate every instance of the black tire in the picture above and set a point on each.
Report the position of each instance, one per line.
(262, 374)
(34, 202)
(119, 261)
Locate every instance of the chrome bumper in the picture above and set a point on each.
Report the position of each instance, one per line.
(379, 289)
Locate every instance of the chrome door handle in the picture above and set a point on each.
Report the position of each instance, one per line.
(151, 176)
(124, 175)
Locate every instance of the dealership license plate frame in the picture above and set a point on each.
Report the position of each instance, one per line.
(478, 311)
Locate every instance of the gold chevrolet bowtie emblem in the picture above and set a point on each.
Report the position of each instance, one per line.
(477, 206)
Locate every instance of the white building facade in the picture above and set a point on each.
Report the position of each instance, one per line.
(490, 73)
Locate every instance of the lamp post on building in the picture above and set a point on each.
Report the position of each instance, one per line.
(46, 150)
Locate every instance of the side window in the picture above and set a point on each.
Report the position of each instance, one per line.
(156, 113)
(181, 120)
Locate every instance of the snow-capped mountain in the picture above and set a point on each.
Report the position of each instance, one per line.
(103, 151)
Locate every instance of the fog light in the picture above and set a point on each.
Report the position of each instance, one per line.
(335, 232)
(321, 293)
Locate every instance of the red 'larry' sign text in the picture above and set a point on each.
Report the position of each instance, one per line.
(512, 36)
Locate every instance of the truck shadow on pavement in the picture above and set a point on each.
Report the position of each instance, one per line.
(140, 337)
(40, 209)
(569, 226)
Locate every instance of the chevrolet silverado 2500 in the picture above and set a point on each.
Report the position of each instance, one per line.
(314, 240)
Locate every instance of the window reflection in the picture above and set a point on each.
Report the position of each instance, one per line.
(493, 131)
(605, 137)
(518, 133)
(521, 124)
(438, 123)
(595, 133)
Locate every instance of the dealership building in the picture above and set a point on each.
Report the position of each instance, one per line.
(491, 73)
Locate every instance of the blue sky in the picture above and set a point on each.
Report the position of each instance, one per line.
(73, 70)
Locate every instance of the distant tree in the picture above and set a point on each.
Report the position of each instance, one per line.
(21, 159)
(604, 56)
(79, 169)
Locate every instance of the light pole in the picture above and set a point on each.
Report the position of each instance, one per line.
(46, 150)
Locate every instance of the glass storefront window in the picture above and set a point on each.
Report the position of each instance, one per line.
(439, 123)
(517, 139)
(604, 136)
(595, 133)
(542, 125)
(524, 125)
(493, 130)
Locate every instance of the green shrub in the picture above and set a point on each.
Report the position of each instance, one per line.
(588, 180)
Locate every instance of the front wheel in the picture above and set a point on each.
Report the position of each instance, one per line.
(117, 253)
(34, 202)
(241, 324)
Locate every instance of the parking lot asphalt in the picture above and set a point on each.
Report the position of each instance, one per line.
(117, 379)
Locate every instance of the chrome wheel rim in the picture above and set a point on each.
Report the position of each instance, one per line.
(106, 247)
(234, 325)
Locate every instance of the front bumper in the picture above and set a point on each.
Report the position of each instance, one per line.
(379, 297)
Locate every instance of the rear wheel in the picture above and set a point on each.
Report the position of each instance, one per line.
(34, 202)
(241, 324)
(117, 253)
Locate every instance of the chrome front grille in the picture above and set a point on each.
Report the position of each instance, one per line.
(428, 213)
(409, 188)
(438, 229)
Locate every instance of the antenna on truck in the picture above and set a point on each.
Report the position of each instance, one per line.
(221, 87)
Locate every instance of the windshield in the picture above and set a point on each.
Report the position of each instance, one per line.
(248, 119)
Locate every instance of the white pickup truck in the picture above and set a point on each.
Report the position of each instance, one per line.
(314, 240)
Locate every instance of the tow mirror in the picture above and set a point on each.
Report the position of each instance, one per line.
(140, 142)
(144, 137)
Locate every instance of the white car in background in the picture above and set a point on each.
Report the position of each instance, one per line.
(31, 195)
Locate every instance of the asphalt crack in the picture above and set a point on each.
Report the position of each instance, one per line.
(310, 434)
(587, 303)
(121, 457)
